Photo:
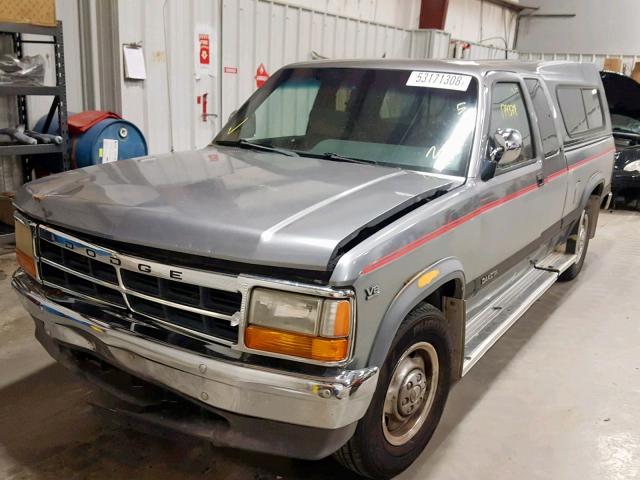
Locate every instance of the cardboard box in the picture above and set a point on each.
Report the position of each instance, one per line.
(33, 12)
(636, 72)
(613, 65)
(6, 208)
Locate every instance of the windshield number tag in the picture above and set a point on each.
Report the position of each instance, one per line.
(447, 81)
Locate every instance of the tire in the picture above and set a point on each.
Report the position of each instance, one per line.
(370, 452)
(573, 243)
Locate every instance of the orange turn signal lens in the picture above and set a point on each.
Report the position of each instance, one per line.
(295, 344)
(27, 263)
(24, 248)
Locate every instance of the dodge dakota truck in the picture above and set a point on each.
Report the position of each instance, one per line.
(351, 243)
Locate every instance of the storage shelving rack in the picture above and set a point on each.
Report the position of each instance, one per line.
(30, 154)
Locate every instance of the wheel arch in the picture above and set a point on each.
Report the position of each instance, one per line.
(442, 285)
(592, 198)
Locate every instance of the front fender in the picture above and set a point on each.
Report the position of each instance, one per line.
(410, 295)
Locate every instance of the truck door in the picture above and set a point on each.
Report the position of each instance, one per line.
(516, 210)
(554, 163)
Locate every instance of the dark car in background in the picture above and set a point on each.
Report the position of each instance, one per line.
(623, 96)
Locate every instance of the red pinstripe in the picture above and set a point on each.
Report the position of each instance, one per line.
(469, 216)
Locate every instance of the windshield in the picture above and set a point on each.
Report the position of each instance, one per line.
(625, 124)
(416, 120)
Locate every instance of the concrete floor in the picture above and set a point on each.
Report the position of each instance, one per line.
(558, 397)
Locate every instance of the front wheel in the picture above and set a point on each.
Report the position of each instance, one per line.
(409, 399)
(578, 243)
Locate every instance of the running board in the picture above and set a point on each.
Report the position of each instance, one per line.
(556, 262)
(488, 325)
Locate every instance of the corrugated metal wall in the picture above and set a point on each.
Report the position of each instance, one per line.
(476, 51)
(399, 13)
(481, 21)
(245, 34)
(430, 44)
(165, 105)
(260, 32)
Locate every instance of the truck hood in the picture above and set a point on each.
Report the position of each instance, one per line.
(227, 203)
(623, 94)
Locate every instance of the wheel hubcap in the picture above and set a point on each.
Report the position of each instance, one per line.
(410, 393)
(581, 239)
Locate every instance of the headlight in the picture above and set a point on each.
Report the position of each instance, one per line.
(632, 166)
(24, 248)
(298, 325)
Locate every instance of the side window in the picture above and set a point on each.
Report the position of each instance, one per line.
(591, 99)
(550, 143)
(508, 110)
(581, 109)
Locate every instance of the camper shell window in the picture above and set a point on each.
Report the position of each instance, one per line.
(581, 109)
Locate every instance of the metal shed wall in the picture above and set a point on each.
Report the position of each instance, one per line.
(273, 34)
(400, 13)
(245, 34)
(165, 105)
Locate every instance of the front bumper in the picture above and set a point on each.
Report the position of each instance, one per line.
(326, 403)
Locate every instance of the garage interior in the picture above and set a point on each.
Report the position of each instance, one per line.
(558, 396)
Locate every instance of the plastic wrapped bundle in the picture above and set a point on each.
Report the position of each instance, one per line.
(22, 71)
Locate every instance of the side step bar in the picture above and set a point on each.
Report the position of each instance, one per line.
(488, 325)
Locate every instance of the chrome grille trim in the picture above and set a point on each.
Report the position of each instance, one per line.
(84, 276)
(186, 308)
(79, 295)
(151, 269)
(186, 331)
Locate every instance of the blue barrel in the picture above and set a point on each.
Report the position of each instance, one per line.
(103, 140)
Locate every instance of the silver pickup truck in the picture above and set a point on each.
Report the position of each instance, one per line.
(356, 237)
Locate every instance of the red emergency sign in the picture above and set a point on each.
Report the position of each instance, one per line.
(204, 49)
(261, 76)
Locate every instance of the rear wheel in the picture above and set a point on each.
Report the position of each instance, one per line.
(409, 399)
(578, 243)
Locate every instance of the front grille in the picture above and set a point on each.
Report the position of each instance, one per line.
(74, 261)
(191, 295)
(207, 308)
(76, 284)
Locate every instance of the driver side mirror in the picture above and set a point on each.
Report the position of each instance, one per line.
(506, 146)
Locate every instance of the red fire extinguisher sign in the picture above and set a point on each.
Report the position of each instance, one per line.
(205, 56)
(261, 75)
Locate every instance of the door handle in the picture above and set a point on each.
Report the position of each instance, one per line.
(540, 179)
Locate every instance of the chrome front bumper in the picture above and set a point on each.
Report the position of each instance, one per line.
(320, 402)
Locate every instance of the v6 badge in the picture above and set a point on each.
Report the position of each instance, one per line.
(372, 291)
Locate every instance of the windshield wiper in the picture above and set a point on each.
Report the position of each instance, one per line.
(337, 157)
(244, 143)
